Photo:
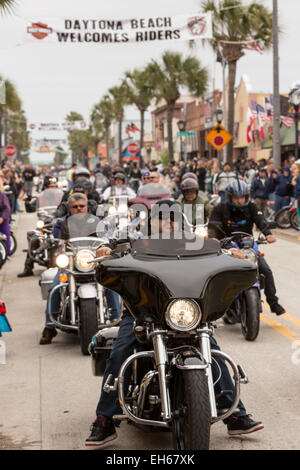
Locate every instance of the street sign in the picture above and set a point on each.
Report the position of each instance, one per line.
(218, 137)
(133, 148)
(10, 151)
(186, 134)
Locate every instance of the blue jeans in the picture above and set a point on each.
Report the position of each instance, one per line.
(124, 347)
(112, 299)
(280, 202)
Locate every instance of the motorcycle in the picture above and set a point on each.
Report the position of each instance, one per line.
(83, 307)
(283, 217)
(175, 289)
(246, 307)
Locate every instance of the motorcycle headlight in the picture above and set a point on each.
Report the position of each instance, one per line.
(62, 261)
(82, 260)
(251, 255)
(201, 232)
(123, 209)
(112, 210)
(143, 215)
(183, 315)
(40, 224)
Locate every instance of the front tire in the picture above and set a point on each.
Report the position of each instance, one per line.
(13, 244)
(191, 407)
(3, 251)
(282, 219)
(88, 323)
(250, 317)
(295, 220)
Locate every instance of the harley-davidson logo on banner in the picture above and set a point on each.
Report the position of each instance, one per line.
(138, 30)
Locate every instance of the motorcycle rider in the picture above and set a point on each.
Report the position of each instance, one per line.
(79, 223)
(238, 214)
(119, 188)
(49, 183)
(103, 428)
(201, 207)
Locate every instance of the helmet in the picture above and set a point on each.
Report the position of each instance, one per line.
(84, 172)
(237, 188)
(189, 175)
(83, 183)
(31, 204)
(189, 183)
(120, 176)
(48, 180)
(158, 212)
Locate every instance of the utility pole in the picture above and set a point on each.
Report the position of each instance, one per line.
(276, 95)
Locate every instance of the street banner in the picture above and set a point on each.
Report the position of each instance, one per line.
(120, 31)
(50, 142)
(57, 126)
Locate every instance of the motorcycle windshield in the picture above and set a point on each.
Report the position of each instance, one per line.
(153, 189)
(158, 271)
(49, 199)
(100, 181)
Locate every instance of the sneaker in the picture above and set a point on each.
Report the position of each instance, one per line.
(103, 431)
(277, 308)
(47, 335)
(242, 425)
(26, 274)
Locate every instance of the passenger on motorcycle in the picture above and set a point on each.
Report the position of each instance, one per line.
(119, 188)
(78, 223)
(103, 428)
(238, 214)
(196, 208)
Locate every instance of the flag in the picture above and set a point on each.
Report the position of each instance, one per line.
(254, 46)
(260, 123)
(132, 128)
(250, 121)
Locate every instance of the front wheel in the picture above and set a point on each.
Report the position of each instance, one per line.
(3, 251)
(13, 244)
(88, 323)
(191, 410)
(250, 317)
(282, 218)
(295, 220)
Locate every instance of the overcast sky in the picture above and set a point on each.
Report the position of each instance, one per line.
(54, 79)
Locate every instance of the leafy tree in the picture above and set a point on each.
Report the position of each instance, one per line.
(120, 100)
(167, 79)
(80, 141)
(235, 26)
(6, 6)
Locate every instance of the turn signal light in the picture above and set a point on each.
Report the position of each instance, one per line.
(2, 308)
(63, 278)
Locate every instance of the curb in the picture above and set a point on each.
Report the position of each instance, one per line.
(291, 236)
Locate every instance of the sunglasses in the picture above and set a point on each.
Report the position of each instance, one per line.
(79, 206)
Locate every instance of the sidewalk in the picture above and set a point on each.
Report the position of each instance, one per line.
(288, 234)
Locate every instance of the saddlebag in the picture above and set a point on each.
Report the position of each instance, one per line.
(46, 281)
(100, 348)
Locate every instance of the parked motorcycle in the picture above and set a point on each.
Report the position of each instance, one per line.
(283, 217)
(246, 307)
(174, 289)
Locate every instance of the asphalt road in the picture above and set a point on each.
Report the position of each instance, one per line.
(49, 395)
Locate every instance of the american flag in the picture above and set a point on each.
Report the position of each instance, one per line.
(266, 115)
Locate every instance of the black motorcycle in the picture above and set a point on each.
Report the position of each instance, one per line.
(174, 289)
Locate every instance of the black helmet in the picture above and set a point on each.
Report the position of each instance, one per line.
(83, 183)
(237, 188)
(189, 183)
(31, 204)
(157, 210)
(49, 180)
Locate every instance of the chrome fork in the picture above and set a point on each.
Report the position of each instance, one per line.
(161, 360)
(206, 352)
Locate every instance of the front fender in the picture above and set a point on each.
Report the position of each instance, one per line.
(190, 360)
(87, 291)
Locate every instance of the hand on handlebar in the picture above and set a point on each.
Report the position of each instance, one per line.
(271, 239)
(103, 251)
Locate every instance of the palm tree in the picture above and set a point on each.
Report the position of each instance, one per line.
(140, 93)
(235, 26)
(168, 77)
(104, 112)
(6, 6)
(12, 104)
(120, 100)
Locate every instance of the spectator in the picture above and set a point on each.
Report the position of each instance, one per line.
(5, 216)
(223, 179)
(260, 189)
(281, 185)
